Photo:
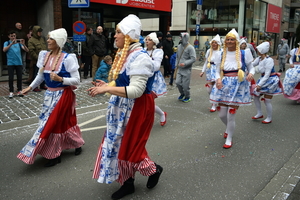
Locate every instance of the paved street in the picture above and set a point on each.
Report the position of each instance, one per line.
(263, 163)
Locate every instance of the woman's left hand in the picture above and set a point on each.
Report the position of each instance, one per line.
(55, 77)
(250, 77)
(93, 91)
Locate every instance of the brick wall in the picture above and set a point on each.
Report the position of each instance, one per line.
(57, 12)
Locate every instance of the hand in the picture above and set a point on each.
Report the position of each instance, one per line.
(181, 64)
(98, 83)
(257, 87)
(291, 65)
(26, 90)
(93, 91)
(22, 41)
(219, 84)
(249, 77)
(55, 77)
(201, 74)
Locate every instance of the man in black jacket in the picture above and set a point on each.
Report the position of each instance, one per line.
(87, 53)
(168, 52)
(98, 42)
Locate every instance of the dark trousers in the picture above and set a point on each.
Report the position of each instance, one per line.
(172, 77)
(87, 60)
(167, 67)
(19, 70)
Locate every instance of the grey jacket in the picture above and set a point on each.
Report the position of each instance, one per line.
(188, 56)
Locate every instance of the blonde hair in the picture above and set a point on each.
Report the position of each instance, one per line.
(241, 73)
(119, 61)
(210, 54)
(54, 63)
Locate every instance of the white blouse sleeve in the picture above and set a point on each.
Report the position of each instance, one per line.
(157, 57)
(142, 65)
(248, 61)
(205, 63)
(71, 63)
(268, 65)
(41, 59)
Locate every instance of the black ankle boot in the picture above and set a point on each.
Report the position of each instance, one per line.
(126, 188)
(153, 179)
(78, 151)
(53, 162)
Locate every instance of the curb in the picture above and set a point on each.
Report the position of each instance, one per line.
(284, 182)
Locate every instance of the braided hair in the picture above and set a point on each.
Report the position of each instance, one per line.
(237, 57)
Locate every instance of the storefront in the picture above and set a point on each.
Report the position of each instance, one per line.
(108, 13)
(248, 17)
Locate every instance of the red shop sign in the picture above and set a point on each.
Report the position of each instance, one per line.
(273, 19)
(160, 5)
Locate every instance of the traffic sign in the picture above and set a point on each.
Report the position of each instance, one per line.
(79, 3)
(79, 27)
(79, 38)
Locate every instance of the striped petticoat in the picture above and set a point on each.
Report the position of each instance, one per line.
(57, 129)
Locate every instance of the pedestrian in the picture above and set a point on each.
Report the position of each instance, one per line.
(213, 55)
(173, 65)
(291, 81)
(141, 39)
(268, 84)
(160, 38)
(36, 44)
(20, 34)
(29, 60)
(98, 42)
(130, 114)
(13, 49)
(207, 45)
(283, 50)
(103, 70)
(168, 52)
(58, 129)
(232, 87)
(185, 58)
(159, 86)
(87, 53)
(250, 46)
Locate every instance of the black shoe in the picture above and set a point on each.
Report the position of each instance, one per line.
(153, 179)
(53, 162)
(283, 69)
(280, 70)
(78, 151)
(126, 188)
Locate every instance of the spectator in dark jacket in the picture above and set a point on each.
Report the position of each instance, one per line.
(98, 42)
(168, 52)
(87, 53)
(36, 44)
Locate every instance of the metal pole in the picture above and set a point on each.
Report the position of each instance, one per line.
(198, 17)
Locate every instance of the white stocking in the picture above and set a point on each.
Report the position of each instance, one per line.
(258, 107)
(269, 110)
(161, 113)
(223, 114)
(209, 88)
(230, 126)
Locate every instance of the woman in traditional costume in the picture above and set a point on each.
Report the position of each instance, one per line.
(58, 129)
(232, 88)
(130, 113)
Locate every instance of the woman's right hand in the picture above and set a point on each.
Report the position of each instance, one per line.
(291, 65)
(26, 90)
(201, 74)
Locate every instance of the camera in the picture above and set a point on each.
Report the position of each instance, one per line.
(18, 40)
